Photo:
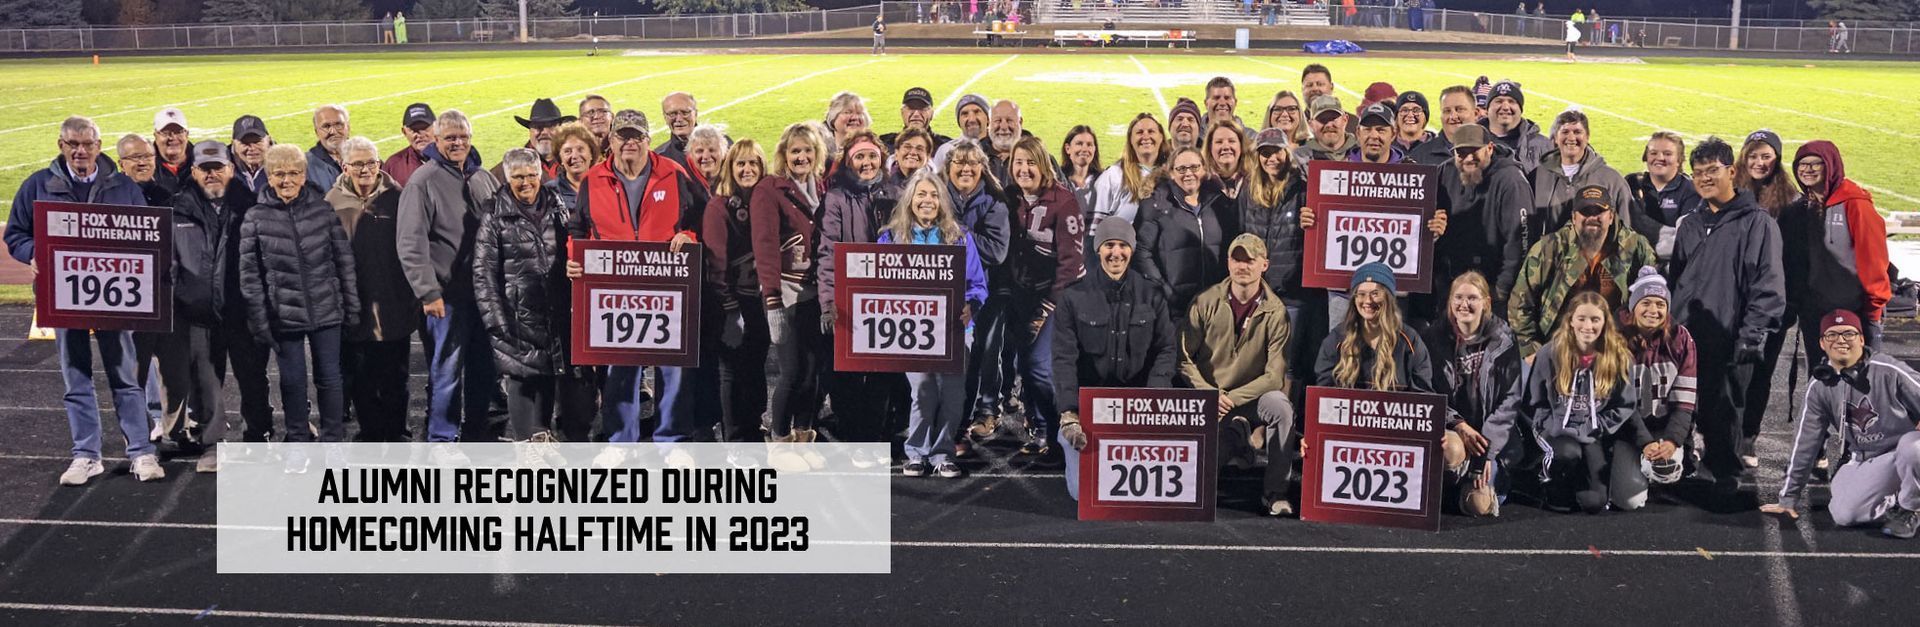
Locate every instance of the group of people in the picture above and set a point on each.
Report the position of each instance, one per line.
(1595, 333)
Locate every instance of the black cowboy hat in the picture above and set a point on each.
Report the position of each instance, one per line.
(544, 113)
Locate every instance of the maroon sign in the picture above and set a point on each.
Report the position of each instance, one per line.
(106, 267)
(1373, 457)
(637, 305)
(896, 308)
(1149, 455)
(1367, 212)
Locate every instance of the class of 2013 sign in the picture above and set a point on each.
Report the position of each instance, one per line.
(1149, 454)
(1373, 458)
(105, 267)
(638, 304)
(1368, 212)
(897, 308)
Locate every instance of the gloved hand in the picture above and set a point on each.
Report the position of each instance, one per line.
(1070, 431)
(733, 327)
(1747, 353)
(826, 322)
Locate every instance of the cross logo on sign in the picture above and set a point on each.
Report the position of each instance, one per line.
(1334, 411)
(1109, 411)
(63, 224)
(1333, 182)
(599, 262)
(860, 265)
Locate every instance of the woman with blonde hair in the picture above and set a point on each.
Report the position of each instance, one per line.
(733, 283)
(781, 213)
(1476, 358)
(1581, 405)
(1132, 179)
(1284, 114)
(1372, 349)
(925, 215)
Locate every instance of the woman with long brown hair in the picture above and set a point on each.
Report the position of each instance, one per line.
(1476, 357)
(1581, 405)
(1130, 180)
(1228, 156)
(1759, 170)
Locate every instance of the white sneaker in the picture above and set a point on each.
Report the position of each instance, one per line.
(526, 456)
(610, 457)
(679, 458)
(82, 470)
(448, 454)
(147, 468)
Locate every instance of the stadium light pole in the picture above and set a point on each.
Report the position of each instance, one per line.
(1732, 41)
(523, 20)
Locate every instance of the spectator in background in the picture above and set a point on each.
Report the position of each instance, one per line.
(374, 353)
(416, 126)
(400, 27)
(249, 147)
(82, 174)
(296, 270)
(879, 34)
(189, 353)
(330, 129)
(1662, 193)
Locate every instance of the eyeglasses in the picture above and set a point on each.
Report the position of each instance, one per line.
(1292, 109)
(136, 158)
(595, 113)
(679, 113)
(1811, 164)
(1840, 336)
(363, 165)
(1187, 169)
(89, 145)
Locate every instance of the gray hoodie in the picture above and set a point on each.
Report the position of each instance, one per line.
(1872, 404)
(440, 211)
(1553, 192)
(1553, 414)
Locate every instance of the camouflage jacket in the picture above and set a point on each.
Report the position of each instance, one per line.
(1552, 267)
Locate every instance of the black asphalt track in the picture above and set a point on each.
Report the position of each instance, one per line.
(998, 547)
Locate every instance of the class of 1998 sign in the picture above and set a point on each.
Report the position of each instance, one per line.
(1368, 212)
(103, 267)
(1373, 457)
(638, 304)
(1149, 454)
(897, 308)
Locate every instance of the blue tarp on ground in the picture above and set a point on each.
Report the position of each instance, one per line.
(1335, 46)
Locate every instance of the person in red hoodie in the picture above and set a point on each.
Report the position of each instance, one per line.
(637, 195)
(1846, 268)
(781, 213)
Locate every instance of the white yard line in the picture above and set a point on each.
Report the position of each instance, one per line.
(1751, 103)
(1786, 608)
(962, 89)
(299, 617)
(1157, 96)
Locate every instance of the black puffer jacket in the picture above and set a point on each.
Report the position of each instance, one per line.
(199, 257)
(1279, 227)
(1184, 248)
(1111, 334)
(520, 283)
(296, 266)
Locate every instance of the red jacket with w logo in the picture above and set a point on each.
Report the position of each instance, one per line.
(672, 204)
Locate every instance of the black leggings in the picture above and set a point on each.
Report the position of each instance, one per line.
(743, 376)
(531, 402)
(796, 349)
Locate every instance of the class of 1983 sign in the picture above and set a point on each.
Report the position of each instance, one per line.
(897, 308)
(103, 267)
(637, 305)
(1368, 212)
(1149, 455)
(1373, 457)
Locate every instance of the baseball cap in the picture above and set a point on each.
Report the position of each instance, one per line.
(917, 98)
(1255, 247)
(629, 119)
(1839, 318)
(210, 151)
(1271, 138)
(1380, 91)
(1591, 196)
(1377, 114)
(1322, 104)
(418, 116)
(248, 126)
(1469, 136)
(168, 117)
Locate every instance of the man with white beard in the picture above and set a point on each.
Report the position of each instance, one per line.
(1004, 129)
(540, 124)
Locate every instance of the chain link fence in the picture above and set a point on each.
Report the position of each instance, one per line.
(1894, 38)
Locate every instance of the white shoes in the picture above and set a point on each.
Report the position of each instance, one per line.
(610, 457)
(679, 458)
(147, 468)
(447, 454)
(82, 470)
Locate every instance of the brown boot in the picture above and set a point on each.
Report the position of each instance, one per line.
(783, 457)
(813, 458)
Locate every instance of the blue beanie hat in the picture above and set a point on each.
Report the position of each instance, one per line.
(1376, 272)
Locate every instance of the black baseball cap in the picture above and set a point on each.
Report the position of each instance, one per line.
(418, 115)
(917, 98)
(248, 126)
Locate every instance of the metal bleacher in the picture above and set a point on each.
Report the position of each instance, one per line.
(1173, 12)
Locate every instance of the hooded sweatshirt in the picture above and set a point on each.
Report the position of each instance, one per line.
(1580, 415)
(1554, 192)
(1483, 224)
(1847, 267)
(1481, 374)
(1872, 404)
(1728, 286)
(1525, 143)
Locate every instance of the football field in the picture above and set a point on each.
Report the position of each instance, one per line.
(1864, 107)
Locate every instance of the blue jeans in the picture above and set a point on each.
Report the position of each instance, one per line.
(83, 408)
(938, 407)
(291, 351)
(1032, 355)
(689, 403)
(1072, 457)
(461, 382)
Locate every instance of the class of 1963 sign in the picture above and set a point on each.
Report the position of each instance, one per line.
(1373, 457)
(897, 308)
(637, 305)
(1368, 212)
(103, 267)
(1149, 455)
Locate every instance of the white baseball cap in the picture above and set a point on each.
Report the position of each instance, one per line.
(168, 116)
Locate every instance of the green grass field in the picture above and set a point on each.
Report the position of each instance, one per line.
(1859, 105)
